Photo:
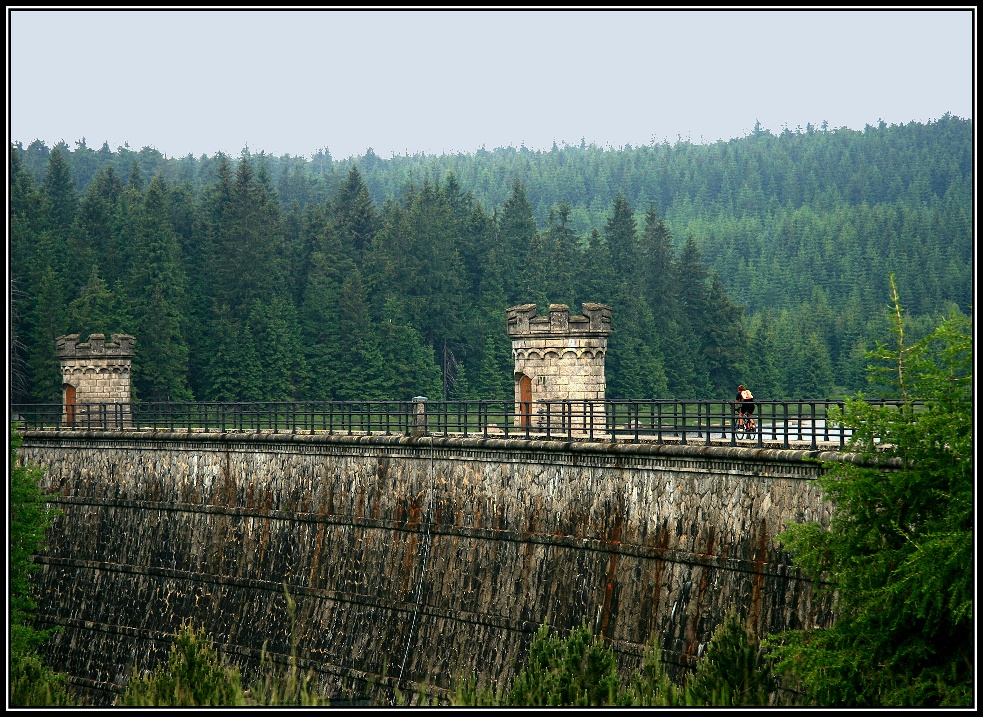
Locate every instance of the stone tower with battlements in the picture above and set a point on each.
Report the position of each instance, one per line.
(559, 357)
(95, 379)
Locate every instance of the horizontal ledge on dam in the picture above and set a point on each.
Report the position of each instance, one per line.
(595, 545)
(425, 442)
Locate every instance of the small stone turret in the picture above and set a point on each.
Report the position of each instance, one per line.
(559, 357)
(95, 379)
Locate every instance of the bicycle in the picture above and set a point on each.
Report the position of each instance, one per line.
(746, 429)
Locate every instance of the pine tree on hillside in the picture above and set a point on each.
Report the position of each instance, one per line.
(98, 309)
(95, 226)
(516, 229)
(274, 331)
(156, 287)
(59, 193)
(47, 321)
(354, 216)
(621, 236)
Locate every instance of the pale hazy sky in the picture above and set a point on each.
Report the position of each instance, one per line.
(439, 81)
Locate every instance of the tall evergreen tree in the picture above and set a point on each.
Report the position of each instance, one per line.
(408, 361)
(355, 218)
(658, 259)
(59, 193)
(598, 276)
(205, 310)
(362, 362)
(156, 286)
(765, 365)
(324, 343)
(274, 332)
(562, 256)
(26, 267)
(95, 228)
(491, 369)
(516, 229)
(98, 309)
(435, 291)
(725, 349)
(247, 261)
(694, 302)
(621, 235)
(47, 321)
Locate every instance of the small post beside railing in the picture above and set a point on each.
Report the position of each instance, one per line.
(420, 416)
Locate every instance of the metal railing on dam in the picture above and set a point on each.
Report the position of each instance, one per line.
(778, 423)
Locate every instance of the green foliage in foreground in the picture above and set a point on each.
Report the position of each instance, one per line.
(733, 671)
(899, 549)
(32, 683)
(579, 670)
(29, 519)
(197, 676)
(194, 676)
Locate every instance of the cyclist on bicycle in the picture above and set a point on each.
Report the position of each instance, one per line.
(745, 404)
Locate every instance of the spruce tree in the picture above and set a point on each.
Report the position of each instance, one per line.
(725, 349)
(362, 371)
(621, 236)
(156, 285)
(48, 320)
(319, 315)
(578, 670)
(59, 193)
(274, 331)
(94, 227)
(516, 229)
(98, 309)
(354, 216)
(408, 361)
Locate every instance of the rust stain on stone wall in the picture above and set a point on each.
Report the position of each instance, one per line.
(610, 600)
(762, 546)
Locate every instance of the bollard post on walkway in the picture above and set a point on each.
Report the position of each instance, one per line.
(420, 416)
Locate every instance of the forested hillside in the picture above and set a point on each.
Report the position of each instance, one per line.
(763, 260)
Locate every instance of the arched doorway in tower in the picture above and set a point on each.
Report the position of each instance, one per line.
(69, 403)
(524, 409)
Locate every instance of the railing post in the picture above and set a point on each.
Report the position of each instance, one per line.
(787, 435)
(812, 409)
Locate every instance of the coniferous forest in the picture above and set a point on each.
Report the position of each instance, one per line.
(763, 260)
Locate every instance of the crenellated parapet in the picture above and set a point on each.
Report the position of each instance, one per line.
(120, 345)
(558, 357)
(595, 321)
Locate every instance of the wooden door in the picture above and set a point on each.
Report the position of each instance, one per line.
(70, 404)
(525, 400)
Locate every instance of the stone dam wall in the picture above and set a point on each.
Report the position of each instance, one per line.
(411, 559)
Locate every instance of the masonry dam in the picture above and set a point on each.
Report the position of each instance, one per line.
(412, 559)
